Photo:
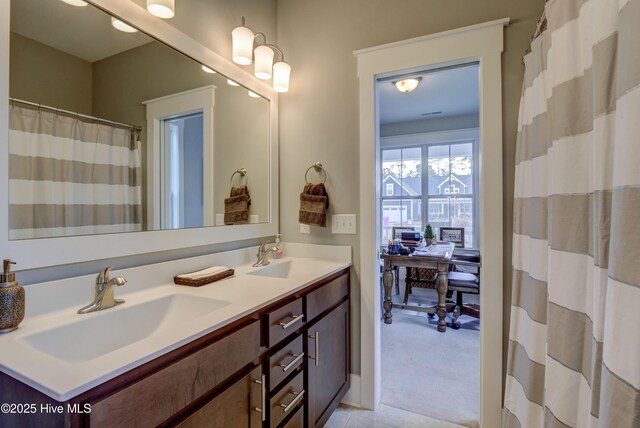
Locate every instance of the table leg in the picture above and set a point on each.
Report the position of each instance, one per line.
(387, 283)
(443, 284)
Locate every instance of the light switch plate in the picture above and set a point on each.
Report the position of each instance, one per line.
(343, 224)
(305, 228)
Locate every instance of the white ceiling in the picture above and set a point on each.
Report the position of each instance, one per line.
(84, 32)
(452, 91)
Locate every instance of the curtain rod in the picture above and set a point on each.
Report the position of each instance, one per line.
(77, 115)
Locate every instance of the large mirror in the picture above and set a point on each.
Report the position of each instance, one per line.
(112, 131)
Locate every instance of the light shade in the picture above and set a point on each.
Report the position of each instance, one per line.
(242, 39)
(76, 2)
(232, 83)
(208, 70)
(407, 85)
(164, 9)
(281, 73)
(253, 94)
(264, 62)
(119, 25)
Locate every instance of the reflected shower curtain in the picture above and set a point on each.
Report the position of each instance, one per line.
(68, 177)
(574, 340)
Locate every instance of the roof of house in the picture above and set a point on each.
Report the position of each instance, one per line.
(411, 185)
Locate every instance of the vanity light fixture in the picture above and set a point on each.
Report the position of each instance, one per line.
(232, 83)
(208, 70)
(253, 94)
(242, 44)
(407, 85)
(243, 40)
(78, 3)
(119, 25)
(164, 9)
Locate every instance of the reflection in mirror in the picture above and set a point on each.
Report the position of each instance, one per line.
(112, 131)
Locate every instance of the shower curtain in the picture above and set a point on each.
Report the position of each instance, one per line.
(574, 339)
(68, 177)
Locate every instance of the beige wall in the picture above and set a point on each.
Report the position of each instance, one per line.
(44, 75)
(319, 116)
(241, 128)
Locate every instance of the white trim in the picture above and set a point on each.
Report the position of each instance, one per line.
(195, 100)
(37, 253)
(429, 138)
(483, 43)
(352, 397)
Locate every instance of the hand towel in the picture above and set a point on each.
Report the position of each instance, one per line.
(236, 206)
(204, 272)
(314, 202)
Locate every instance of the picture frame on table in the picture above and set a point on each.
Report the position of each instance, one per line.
(453, 234)
(396, 231)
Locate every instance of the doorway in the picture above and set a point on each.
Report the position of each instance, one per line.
(429, 182)
(482, 43)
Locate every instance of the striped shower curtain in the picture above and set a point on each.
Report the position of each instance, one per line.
(574, 353)
(68, 177)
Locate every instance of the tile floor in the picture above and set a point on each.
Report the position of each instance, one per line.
(384, 417)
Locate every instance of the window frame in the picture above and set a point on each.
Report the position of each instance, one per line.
(448, 196)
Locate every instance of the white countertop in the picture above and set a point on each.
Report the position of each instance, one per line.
(54, 304)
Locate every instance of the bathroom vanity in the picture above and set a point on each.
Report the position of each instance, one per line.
(273, 358)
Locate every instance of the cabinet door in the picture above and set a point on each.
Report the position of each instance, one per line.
(239, 406)
(328, 350)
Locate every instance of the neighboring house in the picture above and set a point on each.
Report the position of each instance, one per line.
(402, 201)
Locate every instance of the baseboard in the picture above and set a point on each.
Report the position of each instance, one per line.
(352, 398)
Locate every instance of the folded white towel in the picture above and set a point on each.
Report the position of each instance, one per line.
(204, 272)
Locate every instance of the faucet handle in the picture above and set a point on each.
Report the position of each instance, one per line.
(103, 276)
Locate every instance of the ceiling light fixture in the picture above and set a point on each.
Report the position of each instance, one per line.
(78, 3)
(119, 25)
(164, 9)
(208, 70)
(243, 41)
(407, 85)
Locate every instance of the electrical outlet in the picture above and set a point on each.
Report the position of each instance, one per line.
(305, 228)
(253, 219)
(219, 219)
(343, 224)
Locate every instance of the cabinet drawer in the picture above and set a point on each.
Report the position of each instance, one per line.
(296, 421)
(160, 395)
(284, 362)
(326, 296)
(283, 321)
(286, 400)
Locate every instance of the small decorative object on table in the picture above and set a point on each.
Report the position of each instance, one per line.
(453, 234)
(11, 299)
(429, 236)
(203, 277)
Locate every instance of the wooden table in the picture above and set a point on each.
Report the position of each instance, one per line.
(437, 256)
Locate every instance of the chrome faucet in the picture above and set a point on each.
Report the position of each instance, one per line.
(105, 287)
(265, 249)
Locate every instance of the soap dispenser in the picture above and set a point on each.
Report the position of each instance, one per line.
(11, 299)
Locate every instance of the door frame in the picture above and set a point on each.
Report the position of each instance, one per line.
(482, 43)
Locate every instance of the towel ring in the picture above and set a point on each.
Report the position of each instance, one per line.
(319, 168)
(242, 172)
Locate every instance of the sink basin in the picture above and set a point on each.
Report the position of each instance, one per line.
(285, 270)
(99, 333)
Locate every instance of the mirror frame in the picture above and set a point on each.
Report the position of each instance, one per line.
(44, 252)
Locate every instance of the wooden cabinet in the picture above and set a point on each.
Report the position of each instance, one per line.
(283, 366)
(328, 364)
(239, 406)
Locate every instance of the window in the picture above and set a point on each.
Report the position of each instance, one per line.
(389, 189)
(444, 195)
(402, 207)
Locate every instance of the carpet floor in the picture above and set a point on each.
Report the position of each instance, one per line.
(431, 373)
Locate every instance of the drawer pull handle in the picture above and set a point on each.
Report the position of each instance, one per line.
(295, 319)
(263, 396)
(317, 351)
(297, 357)
(287, 407)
